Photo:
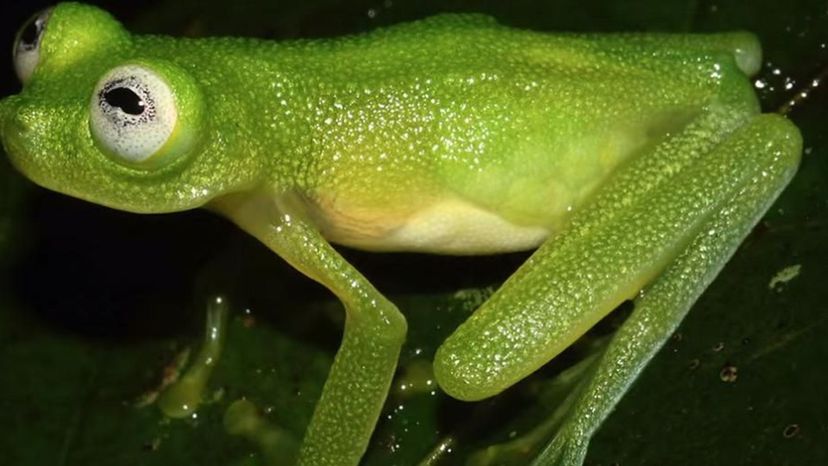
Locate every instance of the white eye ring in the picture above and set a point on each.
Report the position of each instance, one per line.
(27, 45)
(132, 113)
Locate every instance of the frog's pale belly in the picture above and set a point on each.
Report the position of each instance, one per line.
(445, 227)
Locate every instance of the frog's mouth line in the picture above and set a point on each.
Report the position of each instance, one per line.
(13, 132)
(34, 163)
(14, 144)
(18, 149)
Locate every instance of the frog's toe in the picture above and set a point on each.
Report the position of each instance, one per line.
(565, 449)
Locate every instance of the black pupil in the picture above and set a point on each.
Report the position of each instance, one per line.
(30, 33)
(125, 99)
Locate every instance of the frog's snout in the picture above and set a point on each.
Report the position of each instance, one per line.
(14, 119)
(23, 118)
(22, 125)
(18, 125)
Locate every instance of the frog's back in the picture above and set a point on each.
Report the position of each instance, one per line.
(456, 126)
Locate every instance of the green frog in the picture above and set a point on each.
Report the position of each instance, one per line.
(634, 163)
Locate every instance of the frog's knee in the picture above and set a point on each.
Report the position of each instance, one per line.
(747, 51)
(463, 377)
(782, 133)
(773, 141)
(397, 326)
(388, 325)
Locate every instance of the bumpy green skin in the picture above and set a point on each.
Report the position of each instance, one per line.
(633, 150)
(520, 122)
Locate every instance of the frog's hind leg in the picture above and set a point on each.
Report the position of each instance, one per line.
(775, 146)
(638, 228)
(612, 247)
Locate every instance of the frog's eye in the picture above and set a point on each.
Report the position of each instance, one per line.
(27, 45)
(133, 114)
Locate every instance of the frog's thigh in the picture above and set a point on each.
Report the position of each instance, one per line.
(774, 145)
(574, 280)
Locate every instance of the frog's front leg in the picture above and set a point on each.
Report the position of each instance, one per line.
(183, 397)
(669, 238)
(361, 373)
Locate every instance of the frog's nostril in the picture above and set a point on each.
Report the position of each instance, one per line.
(25, 118)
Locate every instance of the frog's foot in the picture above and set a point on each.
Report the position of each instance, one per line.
(277, 445)
(568, 448)
(559, 440)
(183, 396)
(561, 392)
(515, 452)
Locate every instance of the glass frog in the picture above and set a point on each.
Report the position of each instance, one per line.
(634, 163)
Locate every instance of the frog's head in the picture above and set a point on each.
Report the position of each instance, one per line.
(104, 118)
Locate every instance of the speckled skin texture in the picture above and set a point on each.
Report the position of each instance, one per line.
(380, 124)
(642, 156)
